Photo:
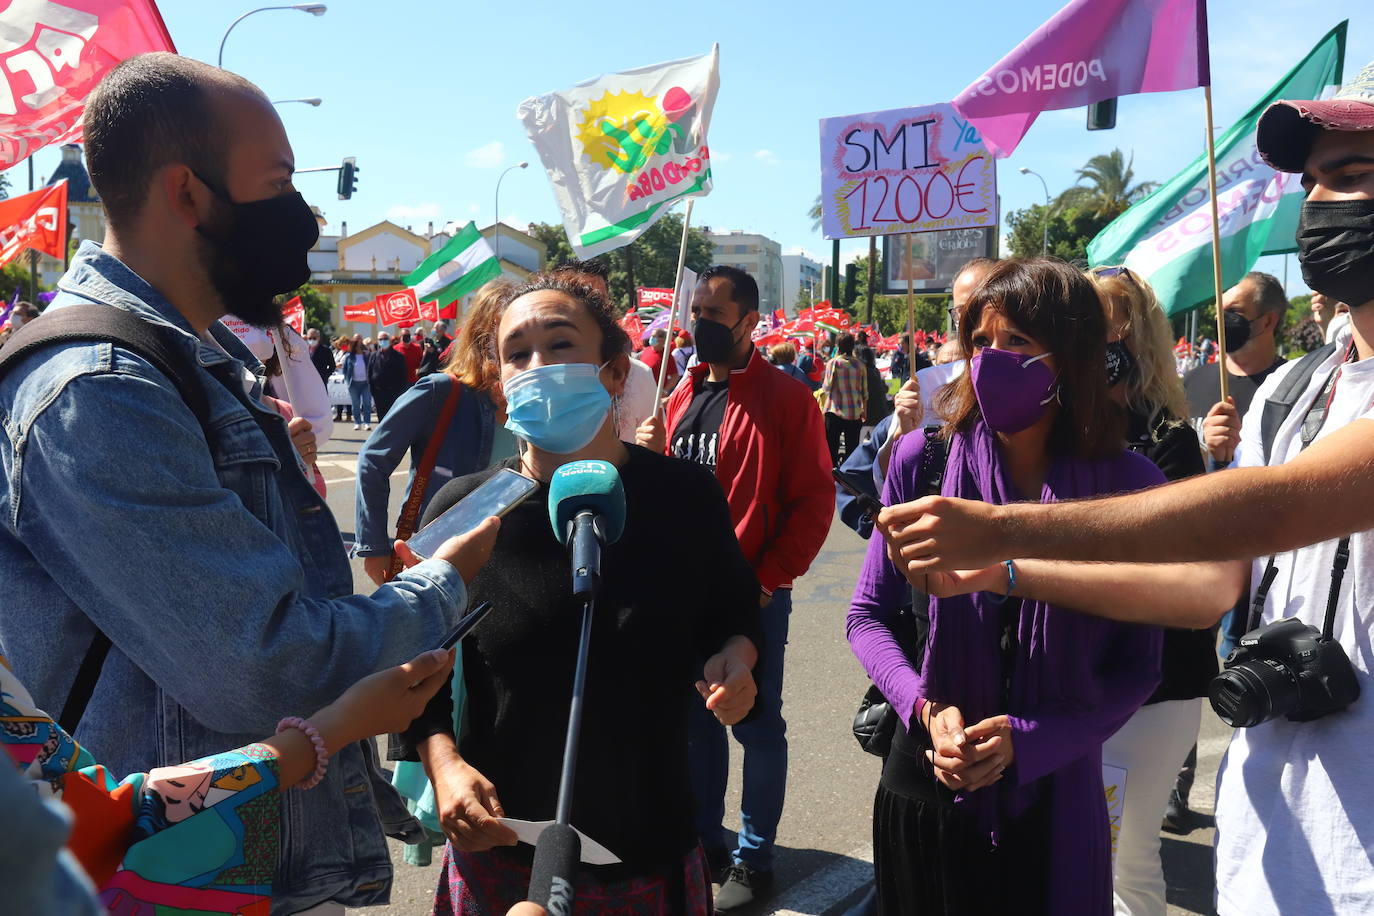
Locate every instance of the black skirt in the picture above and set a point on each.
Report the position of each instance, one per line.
(930, 859)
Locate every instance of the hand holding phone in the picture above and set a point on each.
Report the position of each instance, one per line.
(867, 502)
(500, 493)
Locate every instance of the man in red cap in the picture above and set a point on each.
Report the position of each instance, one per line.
(1295, 806)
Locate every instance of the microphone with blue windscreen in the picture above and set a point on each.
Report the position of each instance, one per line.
(587, 511)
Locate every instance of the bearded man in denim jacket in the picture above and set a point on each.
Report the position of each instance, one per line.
(203, 554)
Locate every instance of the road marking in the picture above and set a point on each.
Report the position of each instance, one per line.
(330, 480)
(828, 887)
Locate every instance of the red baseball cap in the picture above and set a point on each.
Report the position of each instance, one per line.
(1287, 128)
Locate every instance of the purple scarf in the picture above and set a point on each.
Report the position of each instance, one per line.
(1075, 679)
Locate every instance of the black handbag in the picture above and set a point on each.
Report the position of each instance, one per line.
(876, 721)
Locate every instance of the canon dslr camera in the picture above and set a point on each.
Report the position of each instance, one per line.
(1285, 668)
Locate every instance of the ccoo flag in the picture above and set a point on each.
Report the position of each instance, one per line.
(1166, 238)
(1090, 51)
(620, 149)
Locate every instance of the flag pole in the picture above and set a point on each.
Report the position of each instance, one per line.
(1216, 239)
(910, 299)
(677, 305)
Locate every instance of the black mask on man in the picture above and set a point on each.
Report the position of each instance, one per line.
(715, 341)
(1336, 248)
(1238, 329)
(257, 251)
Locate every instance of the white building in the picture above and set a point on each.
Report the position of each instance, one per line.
(759, 256)
(800, 274)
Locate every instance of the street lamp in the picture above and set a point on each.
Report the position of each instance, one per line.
(1045, 235)
(314, 9)
(496, 226)
(313, 103)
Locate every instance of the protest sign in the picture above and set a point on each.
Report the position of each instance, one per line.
(932, 258)
(905, 170)
(363, 313)
(619, 149)
(36, 220)
(52, 54)
(650, 297)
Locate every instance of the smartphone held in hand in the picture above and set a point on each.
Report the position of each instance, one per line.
(502, 492)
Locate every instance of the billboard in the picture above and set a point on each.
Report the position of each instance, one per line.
(932, 257)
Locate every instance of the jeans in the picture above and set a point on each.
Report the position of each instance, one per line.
(361, 394)
(837, 428)
(763, 735)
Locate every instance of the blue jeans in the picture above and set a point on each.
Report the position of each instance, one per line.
(764, 738)
(361, 394)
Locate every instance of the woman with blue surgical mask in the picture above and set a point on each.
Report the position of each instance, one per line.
(563, 362)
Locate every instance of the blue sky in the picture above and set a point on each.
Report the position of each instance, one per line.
(424, 92)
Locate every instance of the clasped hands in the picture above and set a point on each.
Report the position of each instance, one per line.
(970, 758)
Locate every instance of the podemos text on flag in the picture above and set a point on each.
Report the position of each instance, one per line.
(621, 148)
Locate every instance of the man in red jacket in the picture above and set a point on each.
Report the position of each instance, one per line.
(761, 433)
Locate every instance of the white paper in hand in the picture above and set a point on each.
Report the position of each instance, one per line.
(593, 853)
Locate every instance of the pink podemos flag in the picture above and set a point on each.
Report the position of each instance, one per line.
(1091, 50)
(53, 53)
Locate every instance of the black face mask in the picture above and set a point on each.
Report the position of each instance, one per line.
(257, 251)
(715, 341)
(1120, 362)
(1336, 249)
(1237, 330)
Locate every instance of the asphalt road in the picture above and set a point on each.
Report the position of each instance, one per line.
(825, 841)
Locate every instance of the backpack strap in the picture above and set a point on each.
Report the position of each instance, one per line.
(106, 324)
(1280, 404)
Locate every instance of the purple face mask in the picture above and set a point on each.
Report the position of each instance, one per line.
(1012, 389)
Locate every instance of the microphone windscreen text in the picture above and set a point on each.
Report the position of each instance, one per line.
(588, 485)
(553, 877)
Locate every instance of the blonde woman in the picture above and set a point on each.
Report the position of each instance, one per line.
(1154, 743)
(467, 390)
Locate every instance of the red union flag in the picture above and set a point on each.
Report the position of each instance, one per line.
(53, 53)
(293, 313)
(36, 220)
(651, 296)
(364, 313)
(429, 311)
(395, 308)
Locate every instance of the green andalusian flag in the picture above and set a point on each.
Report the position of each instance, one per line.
(464, 263)
(1166, 238)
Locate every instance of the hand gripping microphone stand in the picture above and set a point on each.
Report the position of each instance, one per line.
(587, 511)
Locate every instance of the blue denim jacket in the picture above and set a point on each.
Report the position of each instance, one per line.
(216, 570)
(408, 425)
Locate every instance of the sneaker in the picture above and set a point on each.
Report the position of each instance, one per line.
(367, 426)
(356, 426)
(741, 887)
(1178, 817)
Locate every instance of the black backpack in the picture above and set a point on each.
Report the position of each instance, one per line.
(107, 324)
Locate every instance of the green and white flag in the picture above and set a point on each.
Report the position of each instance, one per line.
(464, 263)
(619, 150)
(1166, 238)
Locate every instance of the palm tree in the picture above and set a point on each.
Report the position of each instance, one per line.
(815, 214)
(1104, 186)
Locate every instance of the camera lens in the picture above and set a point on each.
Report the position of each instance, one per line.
(1253, 692)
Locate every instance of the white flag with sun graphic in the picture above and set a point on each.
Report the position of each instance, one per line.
(620, 149)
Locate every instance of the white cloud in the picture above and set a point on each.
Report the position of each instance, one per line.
(403, 213)
(474, 209)
(486, 157)
(766, 156)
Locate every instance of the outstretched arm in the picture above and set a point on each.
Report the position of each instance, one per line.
(1326, 492)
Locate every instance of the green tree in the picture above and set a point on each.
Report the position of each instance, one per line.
(650, 260)
(815, 214)
(1299, 307)
(319, 311)
(1105, 186)
(889, 312)
(1070, 231)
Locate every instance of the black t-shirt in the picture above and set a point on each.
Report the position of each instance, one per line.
(649, 639)
(697, 434)
(1203, 386)
(1189, 661)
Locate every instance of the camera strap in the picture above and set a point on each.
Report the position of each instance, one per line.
(1311, 425)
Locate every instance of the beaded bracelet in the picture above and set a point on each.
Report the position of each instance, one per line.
(321, 755)
(1011, 582)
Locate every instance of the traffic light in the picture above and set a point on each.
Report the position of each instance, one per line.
(1102, 115)
(348, 178)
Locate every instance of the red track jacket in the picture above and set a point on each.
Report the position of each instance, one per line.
(774, 465)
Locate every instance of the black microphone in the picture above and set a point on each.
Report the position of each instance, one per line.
(553, 877)
(587, 511)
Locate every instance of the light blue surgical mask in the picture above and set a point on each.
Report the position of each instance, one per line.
(558, 408)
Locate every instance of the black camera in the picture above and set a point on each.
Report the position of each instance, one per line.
(1285, 668)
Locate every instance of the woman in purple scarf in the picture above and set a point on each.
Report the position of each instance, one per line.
(992, 800)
